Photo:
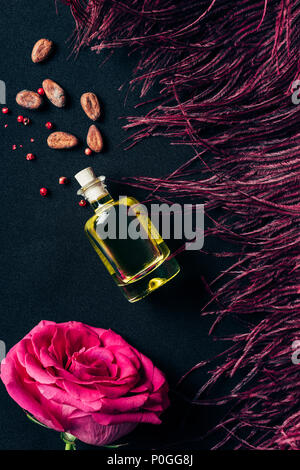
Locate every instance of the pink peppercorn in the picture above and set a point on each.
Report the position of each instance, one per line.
(43, 192)
(88, 151)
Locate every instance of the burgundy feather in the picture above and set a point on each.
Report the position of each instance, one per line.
(225, 71)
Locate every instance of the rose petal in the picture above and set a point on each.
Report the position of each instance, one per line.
(35, 370)
(53, 393)
(77, 337)
(89, 431)
(124, 404)
(26, 397)
(135, 417)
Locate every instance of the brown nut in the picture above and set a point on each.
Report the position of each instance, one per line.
(94, 139)
(54, 92)
(61, 140)
(90, 105)
(41, 50)
(29, 99)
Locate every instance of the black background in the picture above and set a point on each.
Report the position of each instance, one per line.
(48, 269)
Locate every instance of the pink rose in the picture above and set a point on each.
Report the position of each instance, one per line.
(86, 381)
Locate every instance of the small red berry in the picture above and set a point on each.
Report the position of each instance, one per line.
(20, 118)
(88, 151)
(43, 191)
(14, 147)
(82, 203)
(31, 140)
(63, 180)
(26, 121)
(49, 125)
(5, 125)
(41, 91)
(5, 110)
(30, 156)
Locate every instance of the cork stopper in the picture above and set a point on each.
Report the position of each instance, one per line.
(86, 176)
(92, 187)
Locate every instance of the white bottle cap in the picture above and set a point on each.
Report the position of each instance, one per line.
(91, 187)
(86, 176)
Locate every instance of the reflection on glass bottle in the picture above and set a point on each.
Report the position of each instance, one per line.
(125, 239)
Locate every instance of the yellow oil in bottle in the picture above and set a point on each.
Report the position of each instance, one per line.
(138, 265)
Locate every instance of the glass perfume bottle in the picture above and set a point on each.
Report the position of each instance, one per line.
(125, 239)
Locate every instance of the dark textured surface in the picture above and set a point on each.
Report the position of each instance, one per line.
(48, 269)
